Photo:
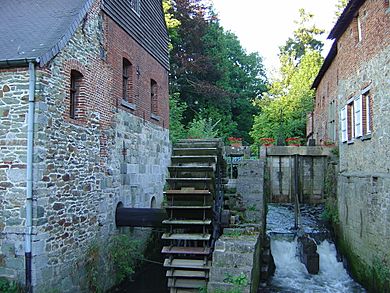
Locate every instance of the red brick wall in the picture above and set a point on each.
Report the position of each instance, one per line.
(375, 36)
(120, 45)
(349, 62)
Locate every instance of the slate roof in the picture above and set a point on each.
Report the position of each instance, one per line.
(37, 29)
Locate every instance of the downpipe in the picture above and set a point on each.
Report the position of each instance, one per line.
(29, 178)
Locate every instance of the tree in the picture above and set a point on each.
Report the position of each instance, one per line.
(304, 37)
(176, 127)
(283, 110)
(211, 72)
(340, 5)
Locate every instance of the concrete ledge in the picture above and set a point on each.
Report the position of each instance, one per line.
(314, 151)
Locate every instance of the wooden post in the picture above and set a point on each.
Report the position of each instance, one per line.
(296, 191)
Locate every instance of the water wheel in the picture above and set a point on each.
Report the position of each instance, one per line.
(193, 202)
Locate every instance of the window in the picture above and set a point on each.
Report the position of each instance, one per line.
(350, 121)
(332, 121)
(344, 123)
(154, 97)
(75, 85)
(127, 83)
(357, 107)
(356, 118)
(359, 29)
(366, 113)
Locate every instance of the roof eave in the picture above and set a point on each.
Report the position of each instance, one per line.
(325, 66)
(12, 63)
(345, 18)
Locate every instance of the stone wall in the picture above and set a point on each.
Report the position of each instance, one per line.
(82, 167)
(13, 145)
(236, 262)
(364, 181)
(250, 187)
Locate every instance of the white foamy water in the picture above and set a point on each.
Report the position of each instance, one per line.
(291, 275)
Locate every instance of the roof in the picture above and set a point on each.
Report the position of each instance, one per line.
(345, 18)
(37, 30)
(337, 31)
(325, 66)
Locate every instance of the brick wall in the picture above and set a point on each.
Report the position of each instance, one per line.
(349, 63)
(144, 69)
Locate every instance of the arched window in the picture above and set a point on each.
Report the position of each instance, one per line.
(153, 203)
(127, 82)
(154, 97)
(76, 79)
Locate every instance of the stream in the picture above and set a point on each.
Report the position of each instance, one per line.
(291, 275)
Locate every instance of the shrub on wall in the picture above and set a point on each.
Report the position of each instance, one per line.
(125, 253)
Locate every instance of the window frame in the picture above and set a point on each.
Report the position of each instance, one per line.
(356, 117)
(154, 109)
(76, 78)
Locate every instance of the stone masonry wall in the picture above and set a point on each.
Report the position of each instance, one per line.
(363, 191)
(13, 145)
(364, 181)
(82, 167)
(250, 186)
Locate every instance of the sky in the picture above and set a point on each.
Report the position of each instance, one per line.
(264, 25)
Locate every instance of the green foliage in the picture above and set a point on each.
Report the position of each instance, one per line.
(171, 22)
(125, 254)
(233, 233)
(202, 128)
(211, 72)
(284, 108)
(240, 280)
(340, 5)
(176, 128)
(381, 273)
(7, 286)
(304, 38)
(92, 268)
(283, 113)
(331, 213)
(374, 277)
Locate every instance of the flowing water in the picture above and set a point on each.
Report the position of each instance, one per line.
(291, 275)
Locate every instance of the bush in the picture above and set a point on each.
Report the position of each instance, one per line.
(7, 286)
(125, 254)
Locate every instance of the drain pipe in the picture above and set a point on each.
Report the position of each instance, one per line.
(29, 193)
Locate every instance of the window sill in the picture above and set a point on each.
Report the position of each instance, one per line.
(128, 105)
(155, 117)
(366, 137)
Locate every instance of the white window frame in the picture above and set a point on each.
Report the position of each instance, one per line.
(358, 119)
(344, 124)
(359, 29)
